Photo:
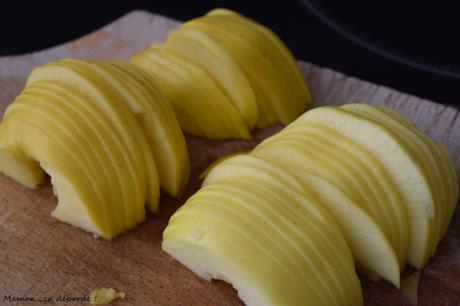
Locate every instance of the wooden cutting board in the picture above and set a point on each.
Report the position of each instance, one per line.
(41, 257)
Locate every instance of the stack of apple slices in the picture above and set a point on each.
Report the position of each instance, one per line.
(104, 133)
(389, 188)
(225, 75)
(256, 226)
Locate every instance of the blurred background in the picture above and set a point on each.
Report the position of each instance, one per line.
(409, 46)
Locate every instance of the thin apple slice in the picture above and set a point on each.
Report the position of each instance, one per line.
(427, 157)
(438, 162)
(218, 161)
(247, 168)
(281, 91)
(124, 185)
(200, 105)
(94, 142)
(60, 156)
(197, 47)
(369, 245)
(450, 169)
(157, 119)
(377, 197)
(206, 235)
(399, 163)
(363, 164)
(116, 109)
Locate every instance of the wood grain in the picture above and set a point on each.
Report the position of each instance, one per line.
(41, 257)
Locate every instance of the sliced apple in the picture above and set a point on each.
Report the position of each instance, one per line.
(436, 158)
(197, 47)
(303, 147)
(281, 92)
(221, 232)
(399, 163)
(426, 154)
(218, 161)
(73, 154)
(200, 105)
(248, 169)
(369, 245)
(112, 105)
(157, 119)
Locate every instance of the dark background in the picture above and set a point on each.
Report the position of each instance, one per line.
(426, 34)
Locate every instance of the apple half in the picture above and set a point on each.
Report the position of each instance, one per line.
(430, 155)
(369, 244)
(55, 128)
(98, 129)
(265, 234)
(155, 115)
(197, 47)
(202, 108)
(400, 164)
(281, 92)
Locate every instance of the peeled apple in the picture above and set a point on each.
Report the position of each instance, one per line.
(226, 75)
(98, 129)
(267, 235)
(199, 48)
(201, 106)
(280, 89)
(388, 188)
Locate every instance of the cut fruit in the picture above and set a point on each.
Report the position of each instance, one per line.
(221, 232)
(200, 105)
(218, 161)
(399, 163)
(110, 103)
(436, 163)
(368, 243)
(157, 119)
(281, 92)
(75, 156)
(344, 164)
(197, 47)
(423, 149)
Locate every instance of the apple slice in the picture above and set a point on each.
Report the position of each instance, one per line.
(157, 119)
(281, 91)
(439, 159)
(207, 236)
(197, 47)
(354, 169)
(247, 168)
(218, 161)
(427, 157)
(369, 245)
(112, 105)
(399, 163)
(200, 105)
(74, 156)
